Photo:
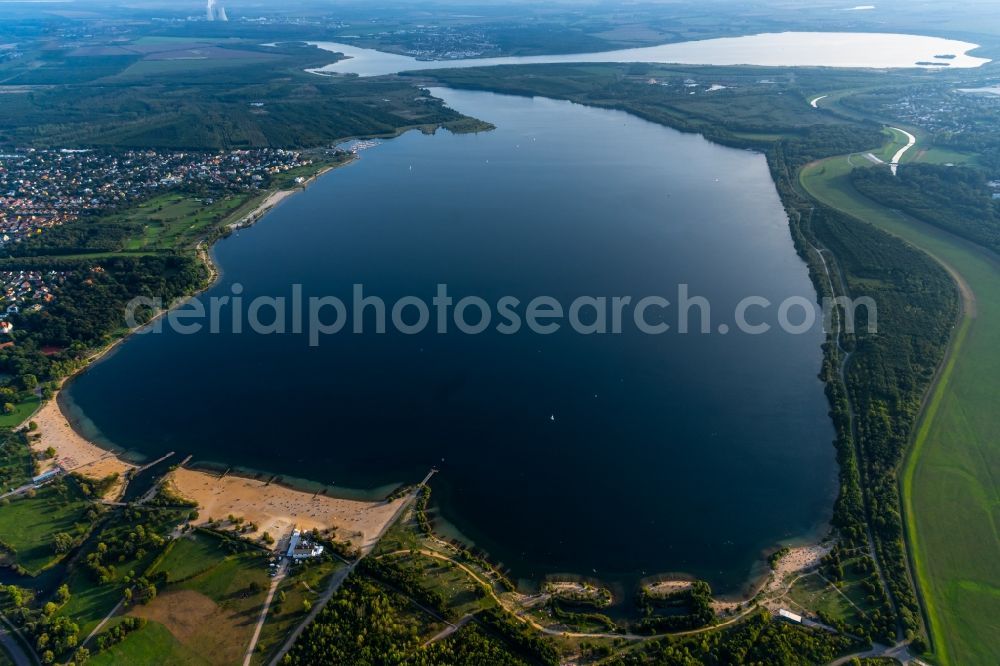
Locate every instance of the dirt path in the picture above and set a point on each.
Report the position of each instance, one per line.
(100, 625)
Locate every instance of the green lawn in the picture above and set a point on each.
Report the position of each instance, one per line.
(192, 555)
(230, 576)
(173, 220)
(813, 593)
(936, 155)
(30, 524)
(950, 492)
(208, 610)
(89, 602)
(205, 617)
(22, 410)
(153, 645)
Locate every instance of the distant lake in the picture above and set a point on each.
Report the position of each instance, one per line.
(988, 90)
(609, 455)
(786, 49)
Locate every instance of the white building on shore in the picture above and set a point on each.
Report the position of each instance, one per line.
(302, 549)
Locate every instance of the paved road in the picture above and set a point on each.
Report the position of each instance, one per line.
(899, 651)
(17, 491)
(107, 618)
(910, 142)
(339, 577)
(450, 629)
(13, 647)
(282, 571)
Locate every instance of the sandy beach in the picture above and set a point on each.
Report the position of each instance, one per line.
(664, 588)
(277, 510)
(73, 452)
(788, 568)
(269, 202)
(273, 508)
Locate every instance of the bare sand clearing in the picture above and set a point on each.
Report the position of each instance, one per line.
(573, 591)
(795, 562)
(664, 588)
(73, 452)
(799, 559)
(218, 634)
(277, 510)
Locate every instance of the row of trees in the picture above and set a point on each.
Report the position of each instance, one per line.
(875, 406)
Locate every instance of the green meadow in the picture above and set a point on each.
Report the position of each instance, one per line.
(206, 611)
(29, 524)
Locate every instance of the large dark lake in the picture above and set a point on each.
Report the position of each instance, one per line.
(608, 455)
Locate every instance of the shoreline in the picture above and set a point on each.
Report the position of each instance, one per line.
(272, 506)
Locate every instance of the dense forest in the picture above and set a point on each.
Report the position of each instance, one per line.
(887, 376)
(759, 640)
(268, 102)
(756, 107)
(368, 625)
(956, 199)
(89, 310)
(875, 401)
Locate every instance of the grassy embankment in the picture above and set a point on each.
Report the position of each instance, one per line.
(949, 488)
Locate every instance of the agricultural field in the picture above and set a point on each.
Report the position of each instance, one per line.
(949, 486)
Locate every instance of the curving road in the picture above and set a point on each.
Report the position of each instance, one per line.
(910, 142)
(12, 646)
